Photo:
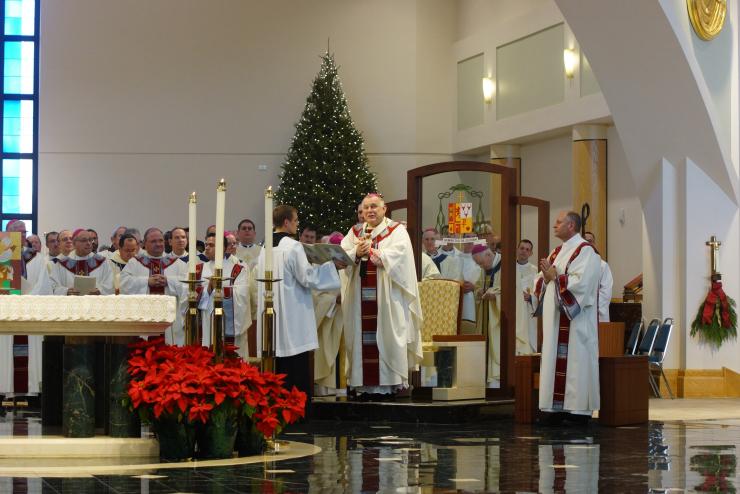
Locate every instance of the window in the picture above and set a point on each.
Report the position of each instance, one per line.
(19, 154)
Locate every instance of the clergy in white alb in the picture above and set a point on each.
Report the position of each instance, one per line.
(566, 289)
(295, 319)
(237, 309)
(380, 302)
(526, 324)
(489, 310)
(127, 248)
(158, 274)
(460, 266)
(34, 281)
(606, 281)
(247, 248)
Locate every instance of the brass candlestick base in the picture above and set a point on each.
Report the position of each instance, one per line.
(217, 321)
(192, 317)
(268, 325)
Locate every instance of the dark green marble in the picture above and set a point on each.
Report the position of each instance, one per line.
(122, 422)
(78, 402)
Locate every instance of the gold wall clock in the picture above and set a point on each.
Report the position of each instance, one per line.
(707, 17)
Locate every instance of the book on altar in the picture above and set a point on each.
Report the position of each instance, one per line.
(321, 253)
(84, 284)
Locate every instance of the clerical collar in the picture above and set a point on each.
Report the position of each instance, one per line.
(247, 246)
(278, 236)
(521, 263)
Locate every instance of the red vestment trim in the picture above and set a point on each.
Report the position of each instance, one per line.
(369, 327)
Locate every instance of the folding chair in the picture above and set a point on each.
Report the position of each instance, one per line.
(634, 338)
(657, 355)
(646, 347)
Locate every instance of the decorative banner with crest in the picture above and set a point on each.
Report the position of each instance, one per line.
(10, 263)
(460, 218)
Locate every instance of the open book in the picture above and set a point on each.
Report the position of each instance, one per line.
(84, 284)
(321, 253)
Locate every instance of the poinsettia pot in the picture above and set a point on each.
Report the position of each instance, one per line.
(249, 441)
(217, 436)
(176, 438)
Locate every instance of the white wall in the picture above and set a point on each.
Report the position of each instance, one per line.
(142, 102)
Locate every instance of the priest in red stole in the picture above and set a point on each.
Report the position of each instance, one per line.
(380, 298)
(566, 296)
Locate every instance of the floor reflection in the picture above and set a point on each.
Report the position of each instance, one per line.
(496, 456)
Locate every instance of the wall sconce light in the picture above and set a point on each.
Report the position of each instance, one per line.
(488, 90)
(570, 61)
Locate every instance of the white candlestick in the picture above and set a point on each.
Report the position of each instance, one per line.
(268, 229)
(192, 241)
(220, 209)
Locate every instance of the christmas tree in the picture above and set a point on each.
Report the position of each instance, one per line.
(325, 174)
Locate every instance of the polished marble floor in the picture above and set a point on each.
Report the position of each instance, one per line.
(496, 456)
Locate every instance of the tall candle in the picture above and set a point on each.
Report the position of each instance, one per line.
(268, 229)
(220, 209)
(192, 226)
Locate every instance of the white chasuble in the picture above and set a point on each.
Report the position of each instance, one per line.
(605, 291)
(399, 318)
(295, 320)
(489, 316)
(135, 281)
(574, 294)
(526, 324)
(248, 254)
(428, 268)
(237, 310)
(329, 329)
(65, 269)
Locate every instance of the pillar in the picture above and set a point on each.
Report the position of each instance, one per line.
(589, 179)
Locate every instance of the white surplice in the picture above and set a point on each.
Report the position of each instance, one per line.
(295, 319)
(135, 281)
(526, 325)
(399, 308)
(605, 291)
(428, 268)
(237, 309)
(582, 374)
(462, 267)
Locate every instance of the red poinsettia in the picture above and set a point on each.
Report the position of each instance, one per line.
(187, 384)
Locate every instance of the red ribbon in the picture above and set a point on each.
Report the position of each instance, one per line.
(715, 294)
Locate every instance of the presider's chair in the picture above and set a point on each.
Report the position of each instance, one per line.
(452, 362)
(657, 355)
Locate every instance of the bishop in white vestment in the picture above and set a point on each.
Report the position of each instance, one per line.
(380, 301)
(489, 318)
(566, 290)
(158, 274)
